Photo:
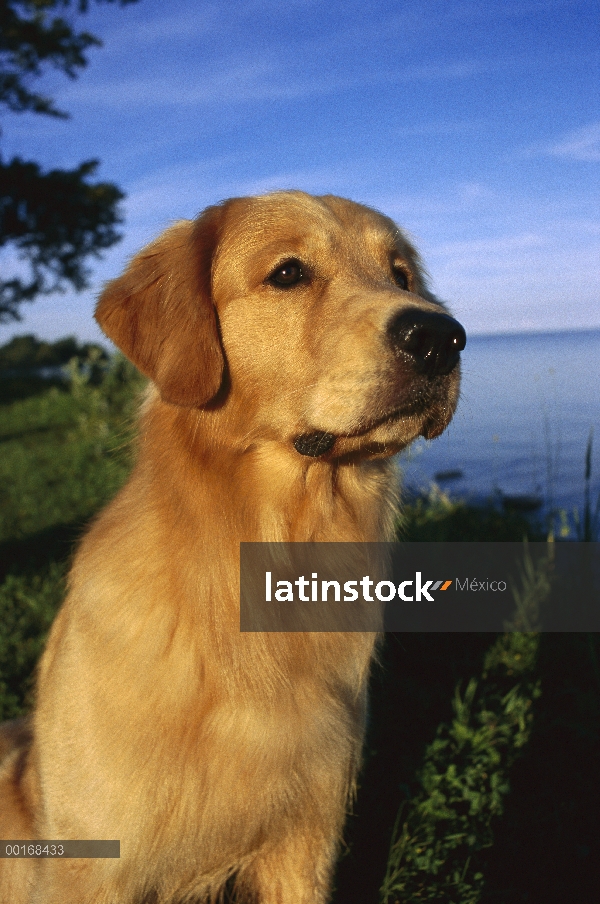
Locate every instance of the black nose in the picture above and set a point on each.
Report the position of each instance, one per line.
(433, 342)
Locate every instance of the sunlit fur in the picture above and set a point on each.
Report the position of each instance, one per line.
(206, 751)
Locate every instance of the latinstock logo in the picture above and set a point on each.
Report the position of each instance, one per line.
(411, 591)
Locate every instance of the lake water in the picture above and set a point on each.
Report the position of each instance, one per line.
(527, 405)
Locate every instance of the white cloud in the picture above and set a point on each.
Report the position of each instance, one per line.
(442, 127)
(170, 28)
(583, 144)
(235, 82)
(261, 73)
(532, 280)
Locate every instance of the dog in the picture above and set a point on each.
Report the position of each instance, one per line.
(293, 348)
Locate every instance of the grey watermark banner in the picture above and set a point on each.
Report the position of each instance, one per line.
(59, 850)
(420, 586)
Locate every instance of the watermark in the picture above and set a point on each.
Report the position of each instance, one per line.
(59, 850)
(384, 590)
(419, 586)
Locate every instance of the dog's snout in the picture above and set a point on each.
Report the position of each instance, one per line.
(433, 342)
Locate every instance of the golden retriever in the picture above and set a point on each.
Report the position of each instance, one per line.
(292, 348)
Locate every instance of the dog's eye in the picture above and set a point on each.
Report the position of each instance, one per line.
(288, 274)
(400, 277)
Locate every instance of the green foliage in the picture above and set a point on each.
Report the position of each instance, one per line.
(28, 352)
(28, 604)
(55, 221)
(65, 452)
(439, 835)
(437, 518)
(31, 37)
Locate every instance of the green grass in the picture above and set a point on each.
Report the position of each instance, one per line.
(65, 452)
(28, 603)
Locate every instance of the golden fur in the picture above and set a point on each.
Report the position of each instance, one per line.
(208, 752)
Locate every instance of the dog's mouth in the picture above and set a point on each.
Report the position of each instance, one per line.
(318, 443)
(415, 407)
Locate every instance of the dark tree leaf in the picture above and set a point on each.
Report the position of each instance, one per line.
(55, 220)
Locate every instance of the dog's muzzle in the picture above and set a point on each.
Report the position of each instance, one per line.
(426, 343)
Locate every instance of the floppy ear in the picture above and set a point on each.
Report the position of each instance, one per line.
(160, 312)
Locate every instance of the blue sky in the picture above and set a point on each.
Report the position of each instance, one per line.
(475, 125)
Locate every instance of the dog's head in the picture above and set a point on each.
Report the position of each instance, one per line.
(305, 320)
